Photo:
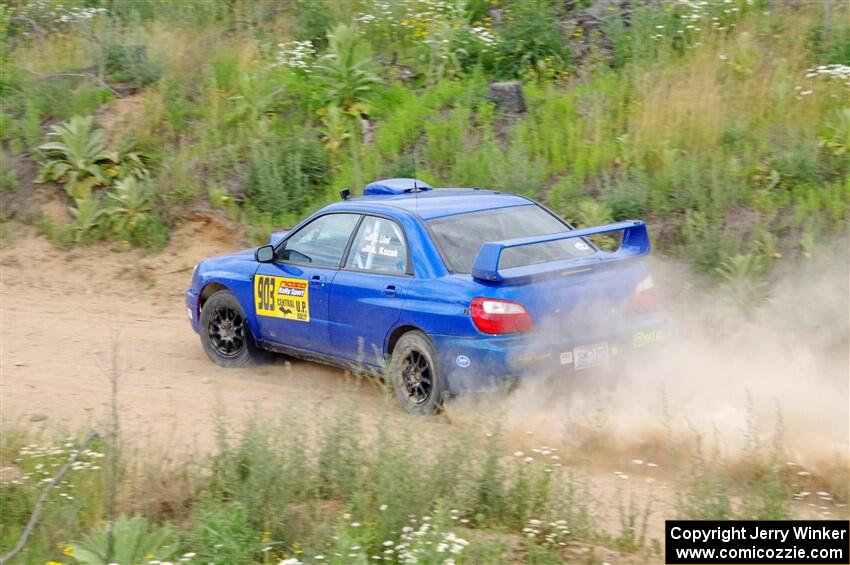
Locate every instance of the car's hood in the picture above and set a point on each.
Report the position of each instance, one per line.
(238, 259)
(241, 254)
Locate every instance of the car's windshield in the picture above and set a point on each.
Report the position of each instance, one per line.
(460, 237)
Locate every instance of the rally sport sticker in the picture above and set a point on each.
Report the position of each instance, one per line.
(282, 298)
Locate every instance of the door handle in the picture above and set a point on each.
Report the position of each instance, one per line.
(391, 290)
(317, 280)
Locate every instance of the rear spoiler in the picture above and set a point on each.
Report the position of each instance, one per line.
(635, 243)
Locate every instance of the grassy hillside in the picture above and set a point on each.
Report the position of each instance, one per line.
(724, 122)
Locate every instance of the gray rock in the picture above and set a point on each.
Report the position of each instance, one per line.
(507, 96)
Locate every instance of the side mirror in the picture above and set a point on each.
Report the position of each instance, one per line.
(264, 254)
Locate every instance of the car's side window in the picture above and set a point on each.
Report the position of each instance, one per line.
(378, 246)
(321, 243)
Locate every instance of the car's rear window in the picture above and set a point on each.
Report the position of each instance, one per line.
(460, 237)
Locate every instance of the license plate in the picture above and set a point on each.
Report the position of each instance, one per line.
(592, 355)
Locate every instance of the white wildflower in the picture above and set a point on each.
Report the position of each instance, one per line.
(296, 55)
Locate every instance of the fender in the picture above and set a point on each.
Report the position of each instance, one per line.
(236, 274)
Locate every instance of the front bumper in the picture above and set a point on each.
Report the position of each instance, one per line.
(484, 362)
(192, 311)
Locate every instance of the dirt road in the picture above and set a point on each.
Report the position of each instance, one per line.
(64, 310)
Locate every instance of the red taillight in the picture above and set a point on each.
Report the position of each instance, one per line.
(493, 316)
(645, 299)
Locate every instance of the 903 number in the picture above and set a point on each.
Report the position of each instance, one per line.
(265, 293)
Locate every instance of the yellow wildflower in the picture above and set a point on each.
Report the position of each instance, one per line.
(68, 550)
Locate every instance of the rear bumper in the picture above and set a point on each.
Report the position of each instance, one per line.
(191, 301)
(483, 362)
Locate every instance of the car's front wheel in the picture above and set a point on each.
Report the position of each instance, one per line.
(225, 335)
(415, 374)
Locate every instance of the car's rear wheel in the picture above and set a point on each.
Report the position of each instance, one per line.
(415, 374)
(225, 335)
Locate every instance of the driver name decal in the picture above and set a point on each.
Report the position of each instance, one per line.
(280, 297)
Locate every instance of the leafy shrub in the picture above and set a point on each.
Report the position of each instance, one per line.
(178, 102)
(519, 171)
(314, 20)
(617, 33)
(224, 534)
(830, 43)
(705, 243)
(226, 69)
(633, 511)
(131, 64)
(742, 283)
(83, 99)
(768, 494)
(130, 200)
(563, 195)
(285, 178)
(340, 457)
(9, 181)
(78, 159)
(335, 129)
(256, 95)
(344, 71)
(180, 178)
(129, 162)
(798, 165)
(133, 540)
(587, 213)
(132, 216)
(90, 219)
(531, 40)
(626, 197)
(452, 43)
(833, 137)
(705, 490)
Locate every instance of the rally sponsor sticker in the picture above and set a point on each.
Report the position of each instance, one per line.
(280, 297)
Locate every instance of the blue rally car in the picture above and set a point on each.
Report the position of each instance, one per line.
(442, 291)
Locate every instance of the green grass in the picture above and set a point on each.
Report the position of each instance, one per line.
(664, 121)
(334, 486)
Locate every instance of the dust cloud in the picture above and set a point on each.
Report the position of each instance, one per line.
(722, 375)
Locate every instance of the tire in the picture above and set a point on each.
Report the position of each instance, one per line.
(225, 335)
(416, 375)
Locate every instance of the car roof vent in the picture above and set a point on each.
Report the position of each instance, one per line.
(395, 186)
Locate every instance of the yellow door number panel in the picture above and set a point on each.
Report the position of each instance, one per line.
(282, 298)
